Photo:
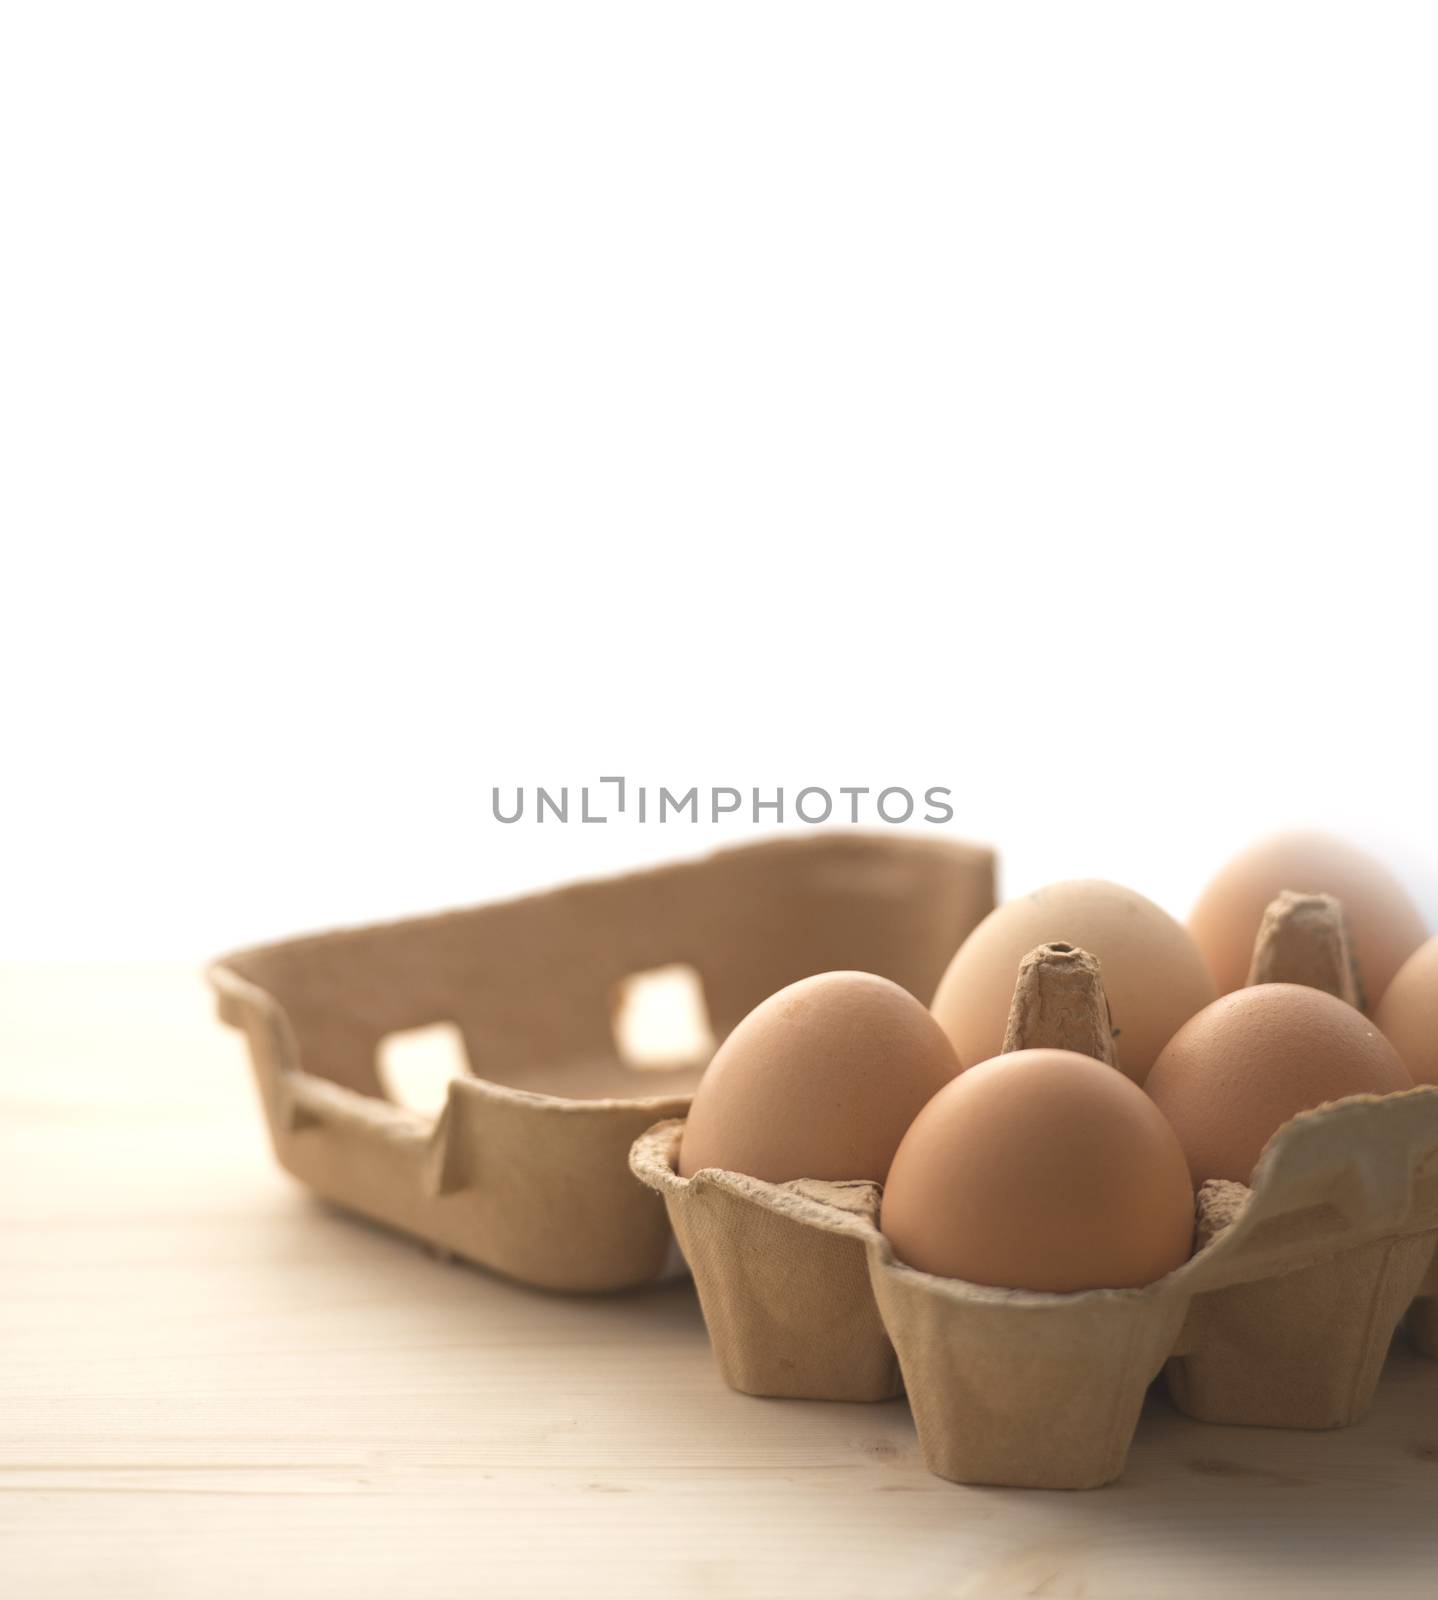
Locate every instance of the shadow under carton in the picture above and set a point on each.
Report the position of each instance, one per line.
(525, 1170)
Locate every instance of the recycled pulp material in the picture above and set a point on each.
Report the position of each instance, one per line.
(782, 1275)
(1423, 1315)
(525, 1169)
(1303, 938)
(1282, 1317)
(782, 1270)
(1296, 1351)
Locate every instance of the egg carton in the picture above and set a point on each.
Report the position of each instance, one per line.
(1423, 1315)
(1282, 1317)
(525, 1169)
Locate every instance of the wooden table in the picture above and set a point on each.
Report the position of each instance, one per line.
(211, 1385)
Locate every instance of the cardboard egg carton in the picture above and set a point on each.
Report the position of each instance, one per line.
(1281, 1317)
(1423, 1315)
(525, 1170)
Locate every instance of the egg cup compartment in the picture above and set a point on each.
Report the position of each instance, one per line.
(1304, 938)
(1028, 1390)
(1044, 1391)
(1281, 1319)
(1303, 1349)
(525, 1170)
(781, 1275)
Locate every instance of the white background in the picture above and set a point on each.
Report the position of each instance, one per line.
(400, 400)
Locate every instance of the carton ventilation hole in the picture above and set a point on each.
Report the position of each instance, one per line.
(416, 1064)
(661, 1020)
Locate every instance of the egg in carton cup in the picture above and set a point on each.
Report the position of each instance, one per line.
(1303, 1346)
(1281, 1317)
(524, 1170)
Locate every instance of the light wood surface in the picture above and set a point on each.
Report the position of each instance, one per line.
(212, 1385)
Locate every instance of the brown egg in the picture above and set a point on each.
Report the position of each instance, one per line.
(1383, 923)
(1041, 1169)
(1152, 972)
(1407, 1015)
(818, 1081)
(1235, 1073)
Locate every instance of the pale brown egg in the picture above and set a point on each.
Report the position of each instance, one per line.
(1407, 1015)
(1235, 1073)
(1384, 925)
(1041, 1169)
(1152, 971)
(818, 1081)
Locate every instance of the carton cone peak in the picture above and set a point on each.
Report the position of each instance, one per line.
(1059, 1004)
(1303, 938)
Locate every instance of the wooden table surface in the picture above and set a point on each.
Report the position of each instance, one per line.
(211, 1384)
